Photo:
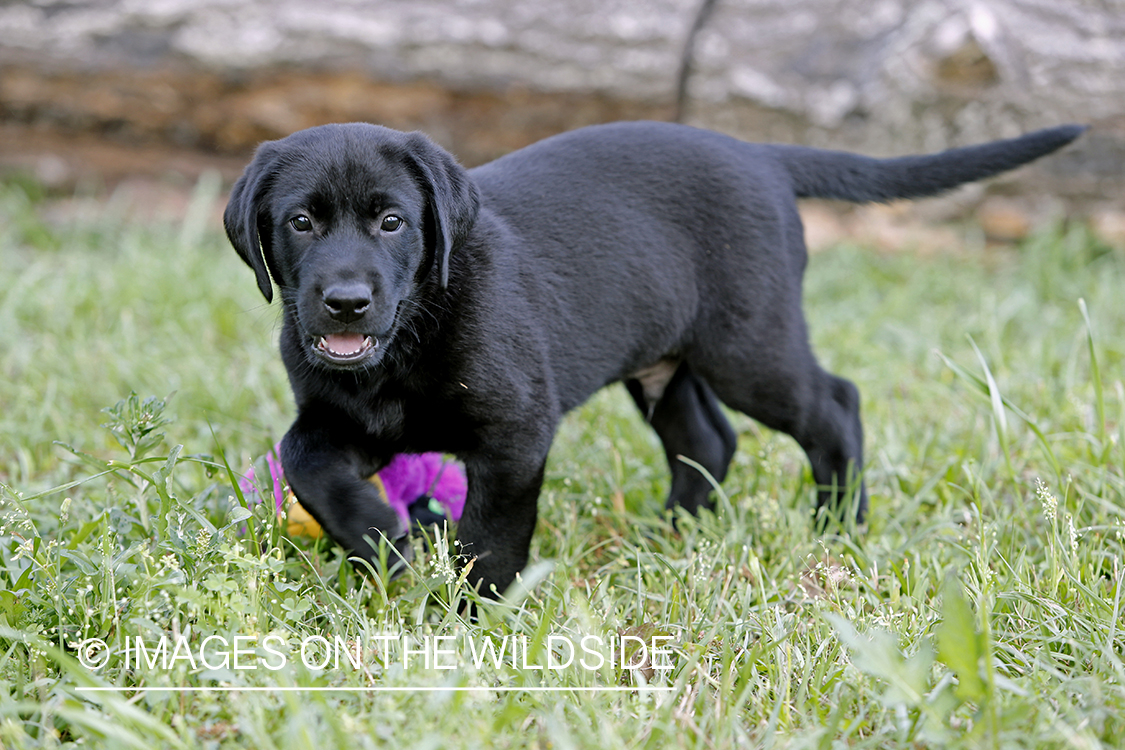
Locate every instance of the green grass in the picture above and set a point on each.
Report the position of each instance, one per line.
(982, 606)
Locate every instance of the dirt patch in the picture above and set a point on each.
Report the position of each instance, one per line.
(121, 120)
(145, 138)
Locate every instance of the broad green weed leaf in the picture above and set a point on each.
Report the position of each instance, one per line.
(959, 644)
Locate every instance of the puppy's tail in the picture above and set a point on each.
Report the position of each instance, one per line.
(834, 174)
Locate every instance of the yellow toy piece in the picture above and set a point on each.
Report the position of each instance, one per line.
(299, 522)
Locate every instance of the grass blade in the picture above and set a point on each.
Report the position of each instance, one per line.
(1095, 374)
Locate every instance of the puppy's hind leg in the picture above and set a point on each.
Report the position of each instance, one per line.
(819, 410)
(833, 442)
(690, 423)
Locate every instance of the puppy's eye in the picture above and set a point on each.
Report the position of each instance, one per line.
(391, 223)
(301, 223)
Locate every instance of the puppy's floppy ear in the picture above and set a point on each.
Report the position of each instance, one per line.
(244, 212)
(453, 199)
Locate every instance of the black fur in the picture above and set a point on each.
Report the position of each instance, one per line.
(661, 255)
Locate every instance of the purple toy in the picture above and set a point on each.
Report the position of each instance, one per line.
(425, 488)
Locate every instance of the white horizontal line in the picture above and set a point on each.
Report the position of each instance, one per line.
(298, 689)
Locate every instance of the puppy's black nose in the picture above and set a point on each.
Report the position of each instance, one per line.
(347, 302)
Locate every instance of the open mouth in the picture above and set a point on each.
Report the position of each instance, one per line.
(346, 348)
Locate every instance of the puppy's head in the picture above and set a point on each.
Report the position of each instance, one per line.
(352, 222)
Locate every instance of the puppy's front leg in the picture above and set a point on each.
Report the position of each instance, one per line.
(500, 511)
(328, 473)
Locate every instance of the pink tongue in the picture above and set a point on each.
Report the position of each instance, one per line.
(345, 343)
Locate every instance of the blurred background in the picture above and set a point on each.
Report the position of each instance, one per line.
(138, 98)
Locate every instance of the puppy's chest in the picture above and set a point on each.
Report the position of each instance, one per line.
(436, 423)
(416, 422)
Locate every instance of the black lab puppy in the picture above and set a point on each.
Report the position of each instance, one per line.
(432, 308)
